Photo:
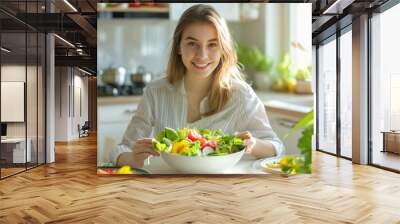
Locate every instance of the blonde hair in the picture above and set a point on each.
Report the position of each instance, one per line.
(227, 69)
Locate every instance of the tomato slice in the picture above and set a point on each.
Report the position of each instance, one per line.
(194, 136)
(104, 171)
(203, 142)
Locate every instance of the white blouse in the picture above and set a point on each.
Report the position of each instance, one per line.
(165, 105)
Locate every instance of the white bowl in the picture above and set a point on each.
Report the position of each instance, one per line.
(202, 164)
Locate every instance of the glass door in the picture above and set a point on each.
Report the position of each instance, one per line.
(346, 93)
(22, 77)
(327, 96)
(385, 89)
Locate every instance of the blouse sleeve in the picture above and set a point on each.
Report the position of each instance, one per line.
(258, 123)
(140, 126)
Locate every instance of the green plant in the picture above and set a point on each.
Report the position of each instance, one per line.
(253, 58)
(303, 74)
(305, 141)
(284, 68)
(284, 80)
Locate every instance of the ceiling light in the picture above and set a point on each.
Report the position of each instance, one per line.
(86, 72)
(64, 40)
(337, 7)
(5, 49)
(70, 5)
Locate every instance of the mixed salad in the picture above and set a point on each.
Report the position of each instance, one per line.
(194, 142)
(290, 165)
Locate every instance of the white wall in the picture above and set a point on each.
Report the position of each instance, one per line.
(130, 43)
(61, 103)
(69, 85)
(33, 127)
(14, 73)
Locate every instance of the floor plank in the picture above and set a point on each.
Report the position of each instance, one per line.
(69, 191)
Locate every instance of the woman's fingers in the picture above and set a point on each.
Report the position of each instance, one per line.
(144, 141)
(244, 135)
(248, 140)
(141, 149)
(142, 156)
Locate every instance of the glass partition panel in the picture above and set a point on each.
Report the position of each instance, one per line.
(385, 89)
(31, 98)
(346, 94)
(41, 98)
(14, 153)
(327, 97)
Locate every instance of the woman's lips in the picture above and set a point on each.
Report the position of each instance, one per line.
(201, 66)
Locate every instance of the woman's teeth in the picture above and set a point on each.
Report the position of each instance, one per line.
(201, 66)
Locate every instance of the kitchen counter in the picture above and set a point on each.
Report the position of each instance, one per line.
(294, 105)
(299, 99)
(288, 103)
(105, 100)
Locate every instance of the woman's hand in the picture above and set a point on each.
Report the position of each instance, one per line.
(256, 147)
(248, 140)
(142, 149)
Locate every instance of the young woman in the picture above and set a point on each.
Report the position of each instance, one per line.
(202, 89)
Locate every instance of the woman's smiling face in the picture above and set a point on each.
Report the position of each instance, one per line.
(200, 49)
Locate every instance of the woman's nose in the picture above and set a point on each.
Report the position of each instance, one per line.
(202, 52)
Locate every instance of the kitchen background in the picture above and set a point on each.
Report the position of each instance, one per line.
(273, 44)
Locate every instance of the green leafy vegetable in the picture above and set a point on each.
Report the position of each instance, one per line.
(230, 144)
(171, 134)
(182, 134)
(217, 153)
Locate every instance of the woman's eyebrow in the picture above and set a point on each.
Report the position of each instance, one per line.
(192, 38)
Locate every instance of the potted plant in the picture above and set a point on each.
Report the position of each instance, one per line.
(257, 65)
(303, 80)
(294, 164)
(306, 124)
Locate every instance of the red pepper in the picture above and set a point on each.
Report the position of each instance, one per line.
(208, 143)
(104, 171)
(194, 136)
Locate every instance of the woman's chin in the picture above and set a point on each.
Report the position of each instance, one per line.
(201, 72)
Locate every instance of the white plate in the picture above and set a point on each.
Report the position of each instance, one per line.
(262, 162)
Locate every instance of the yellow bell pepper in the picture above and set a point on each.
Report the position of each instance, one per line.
(284, 161)
(125, 170)
(274, 165)
(177, 147)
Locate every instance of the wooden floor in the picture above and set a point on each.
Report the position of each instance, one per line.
(10, 171)
(5, 172)
(69, 191)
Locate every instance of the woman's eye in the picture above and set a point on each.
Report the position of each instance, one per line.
(191, 44)
(212, 45)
